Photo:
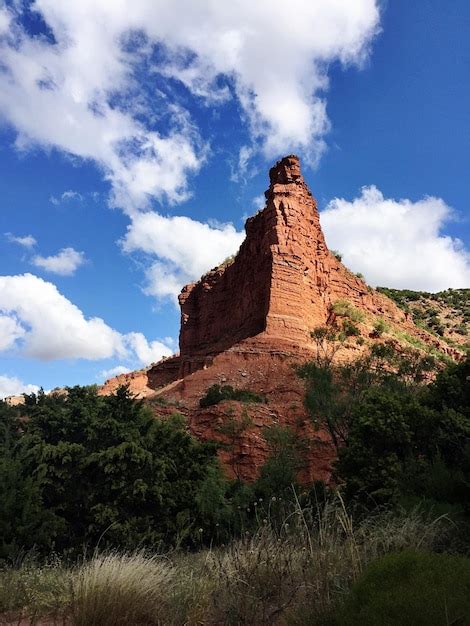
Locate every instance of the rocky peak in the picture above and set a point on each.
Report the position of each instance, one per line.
(287, 170)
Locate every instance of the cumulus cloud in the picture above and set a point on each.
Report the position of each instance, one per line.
(83, 88)
(10, 331)
(44, 324)
(182, 249)
(54, 328)
(65, 262)
(147, 352)
(397, 243)
(28, 241)
(14, 387)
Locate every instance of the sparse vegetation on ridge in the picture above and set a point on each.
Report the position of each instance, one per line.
(344, 308)
(337, 254)
(445, 314)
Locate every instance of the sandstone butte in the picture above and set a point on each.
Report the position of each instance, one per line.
(247, 323)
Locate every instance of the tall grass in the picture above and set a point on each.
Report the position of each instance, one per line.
(119, 589)
(294, 572)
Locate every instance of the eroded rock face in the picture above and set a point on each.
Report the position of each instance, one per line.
(136, 381)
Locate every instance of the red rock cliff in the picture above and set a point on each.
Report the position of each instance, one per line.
(268, 289)
(280, 285)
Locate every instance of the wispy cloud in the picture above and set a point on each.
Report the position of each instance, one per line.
(66, 196)
(27, 241)
(85, 92)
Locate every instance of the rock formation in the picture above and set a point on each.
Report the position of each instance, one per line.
(281, 285)
(248, 321)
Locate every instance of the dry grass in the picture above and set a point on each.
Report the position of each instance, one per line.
(120, 589)
(29, 592)
(296, 574)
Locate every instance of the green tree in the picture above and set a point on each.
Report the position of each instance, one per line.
(280, 470)
(233, 428)
(24, 523)
(111, 472)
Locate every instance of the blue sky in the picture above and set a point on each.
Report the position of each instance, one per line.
(135, 138)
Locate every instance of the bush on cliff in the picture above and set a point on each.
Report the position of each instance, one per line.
(219, 393)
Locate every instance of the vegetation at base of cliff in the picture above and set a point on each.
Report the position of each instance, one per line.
(445, 313)
(398, 440)
(82, 469)
(110, 516)
(411, 586)
(219, 393)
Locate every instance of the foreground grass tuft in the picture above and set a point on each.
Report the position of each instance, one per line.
(117, 589)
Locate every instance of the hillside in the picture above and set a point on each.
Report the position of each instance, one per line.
(445, 313)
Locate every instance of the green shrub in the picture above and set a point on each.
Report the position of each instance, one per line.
(411, 588)
(350, 329)
(337, 255)
(380, 327)
(88, 468)
(343, 308)
(286, 457)
(218, 393)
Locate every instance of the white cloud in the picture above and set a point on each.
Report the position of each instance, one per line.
(114, 371)
(54, 328)
(14, 387)
(397, 243)
(85, 93)
(45, 325)
(259, 202)
(65, 262)
(184, 249)
(28, 241)
(10, 331)
(4, 20)
(66, 196)
(147, 352)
